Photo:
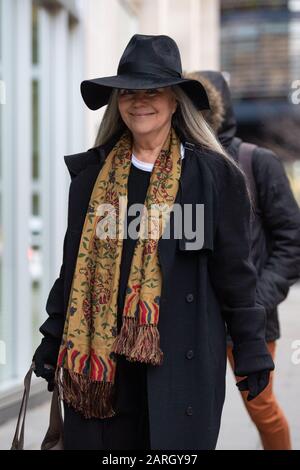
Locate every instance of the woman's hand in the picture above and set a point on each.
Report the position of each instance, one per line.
(45, 359)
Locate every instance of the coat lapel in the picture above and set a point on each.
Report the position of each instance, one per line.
(195, 187)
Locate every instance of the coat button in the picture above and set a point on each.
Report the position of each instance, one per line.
(189, 297)
(189, 354)
(189, 411)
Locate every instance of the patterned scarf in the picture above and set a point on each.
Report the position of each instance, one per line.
(87, 358)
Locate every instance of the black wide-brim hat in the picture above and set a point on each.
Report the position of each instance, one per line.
(147, 62)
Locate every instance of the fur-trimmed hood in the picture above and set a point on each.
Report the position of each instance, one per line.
(221, 116)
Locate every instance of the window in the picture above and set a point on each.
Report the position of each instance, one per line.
(1, 153)
(35, 249)
(256, 52)
(2, 102)
(36, 57)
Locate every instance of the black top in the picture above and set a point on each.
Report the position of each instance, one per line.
(130, 379)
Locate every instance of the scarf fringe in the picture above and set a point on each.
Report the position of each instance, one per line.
(127, 336)
(139, 342)
(92, 399)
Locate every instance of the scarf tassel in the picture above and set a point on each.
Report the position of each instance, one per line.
(92, 399)
(139, 342)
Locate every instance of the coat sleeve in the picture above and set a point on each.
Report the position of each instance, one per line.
(281, 220)
(233, 276)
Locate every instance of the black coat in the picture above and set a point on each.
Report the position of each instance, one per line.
(202, 289)
(275, 243)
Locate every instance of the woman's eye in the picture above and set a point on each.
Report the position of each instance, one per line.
(126, 92)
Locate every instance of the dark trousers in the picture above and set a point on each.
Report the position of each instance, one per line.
(125, 431)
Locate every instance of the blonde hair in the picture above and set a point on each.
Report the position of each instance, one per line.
(187, 121)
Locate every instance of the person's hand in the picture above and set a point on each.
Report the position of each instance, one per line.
(255, 383)
(45, 359)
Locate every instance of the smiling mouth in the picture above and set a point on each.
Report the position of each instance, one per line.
(142, 114)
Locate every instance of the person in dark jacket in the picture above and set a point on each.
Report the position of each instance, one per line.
(137, 328)
(275, 243)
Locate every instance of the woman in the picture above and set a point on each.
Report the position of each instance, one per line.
(136, 328)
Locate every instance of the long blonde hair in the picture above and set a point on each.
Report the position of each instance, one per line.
(187, 119)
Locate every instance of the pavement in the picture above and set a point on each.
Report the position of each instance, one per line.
(237, 431)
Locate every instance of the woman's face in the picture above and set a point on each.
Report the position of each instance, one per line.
(147, 111)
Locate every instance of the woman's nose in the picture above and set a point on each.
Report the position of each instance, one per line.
(139, 95)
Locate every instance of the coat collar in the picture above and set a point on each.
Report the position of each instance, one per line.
(78, 162)
(196, 187)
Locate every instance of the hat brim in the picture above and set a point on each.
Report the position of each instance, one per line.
(96, 92)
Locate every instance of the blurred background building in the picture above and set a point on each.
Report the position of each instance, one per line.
(260, 49)
(47, 47)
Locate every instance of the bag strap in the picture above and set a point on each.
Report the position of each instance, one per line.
(245, 158)
(245, 155)
(18, 440)
(54, 436)
(54, 432)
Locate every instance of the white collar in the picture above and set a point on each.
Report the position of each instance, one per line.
(149, 166)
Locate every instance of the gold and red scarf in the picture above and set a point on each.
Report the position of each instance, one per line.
(87, 358)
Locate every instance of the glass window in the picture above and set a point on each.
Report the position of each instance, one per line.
(2, 89)
(257, 57)
(35, 267)
(2, 334)
(35, 224)
(41, 25)
(35, 35)
(1, 29)
(35, 130)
